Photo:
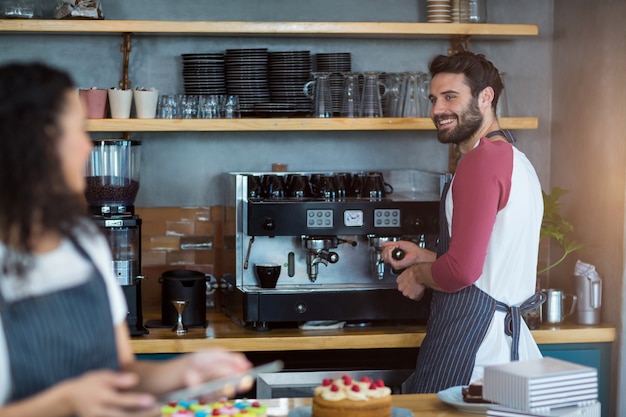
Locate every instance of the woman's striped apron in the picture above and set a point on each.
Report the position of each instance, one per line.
(60, 335)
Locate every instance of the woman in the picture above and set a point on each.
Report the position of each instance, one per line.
(64, 344)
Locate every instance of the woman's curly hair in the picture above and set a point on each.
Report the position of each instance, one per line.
(35, 194)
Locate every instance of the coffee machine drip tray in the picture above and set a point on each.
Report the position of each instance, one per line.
(267, 307)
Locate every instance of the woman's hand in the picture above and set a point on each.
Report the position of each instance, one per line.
(211, 364)
(106, 393)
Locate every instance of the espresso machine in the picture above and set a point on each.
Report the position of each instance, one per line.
(112, 185)
(327, 240)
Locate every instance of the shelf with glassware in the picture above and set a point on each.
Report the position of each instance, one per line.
(283, 124)
(230, 28)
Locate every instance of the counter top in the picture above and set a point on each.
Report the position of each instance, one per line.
(224, 333)
(422, 405)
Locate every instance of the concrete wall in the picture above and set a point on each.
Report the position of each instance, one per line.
(589, 153)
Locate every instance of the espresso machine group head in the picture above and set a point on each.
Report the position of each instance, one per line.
(318, 250)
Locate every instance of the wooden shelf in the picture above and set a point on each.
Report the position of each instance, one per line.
(281, 124)
(233, 28)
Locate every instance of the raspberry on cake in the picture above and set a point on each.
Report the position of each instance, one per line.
(345, 397)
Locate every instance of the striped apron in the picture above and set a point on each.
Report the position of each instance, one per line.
(60, 335)
(456, 328)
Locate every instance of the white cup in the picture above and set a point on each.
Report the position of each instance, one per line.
(146, 103)
(120, 102)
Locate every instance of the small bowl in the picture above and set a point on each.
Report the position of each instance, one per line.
(267, 274)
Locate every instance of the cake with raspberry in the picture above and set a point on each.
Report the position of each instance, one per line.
(345, 397)
(230, 408)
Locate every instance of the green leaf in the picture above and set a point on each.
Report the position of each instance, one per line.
(556, 227)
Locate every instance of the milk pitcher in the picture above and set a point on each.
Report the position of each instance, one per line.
(589, 292)
(553, 310)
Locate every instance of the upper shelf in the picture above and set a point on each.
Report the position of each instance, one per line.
(282, 124)
(224, 28)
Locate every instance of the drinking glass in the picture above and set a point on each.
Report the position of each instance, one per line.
(168, 107)
(189, 106)
(231, 107)
(209, 107)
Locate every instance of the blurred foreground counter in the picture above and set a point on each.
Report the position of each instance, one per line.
(390, 349)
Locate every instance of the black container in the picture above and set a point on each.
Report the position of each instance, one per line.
(184, 284)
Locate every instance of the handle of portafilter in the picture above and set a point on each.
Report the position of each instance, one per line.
(397, 254)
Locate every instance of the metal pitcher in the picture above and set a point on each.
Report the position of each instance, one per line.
(589, 292)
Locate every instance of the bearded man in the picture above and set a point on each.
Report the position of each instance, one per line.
(483, 274)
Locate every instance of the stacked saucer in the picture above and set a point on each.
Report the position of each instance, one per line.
(439, 11)
(287, 74)
(336, 63)
(204, 74)
(246, 77)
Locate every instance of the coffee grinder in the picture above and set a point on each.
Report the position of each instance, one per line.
(112, 185)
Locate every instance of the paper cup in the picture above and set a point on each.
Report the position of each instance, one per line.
(95, 100)
(120, 102)
(146, 103)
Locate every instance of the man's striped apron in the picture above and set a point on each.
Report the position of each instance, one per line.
(456, 328)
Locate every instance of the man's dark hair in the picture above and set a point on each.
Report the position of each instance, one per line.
(479, 72)
(33, 188)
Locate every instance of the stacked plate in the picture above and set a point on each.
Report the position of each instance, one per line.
(246, 77)
(287, 74)
(336, 63)
(439, 11)
(204, 74)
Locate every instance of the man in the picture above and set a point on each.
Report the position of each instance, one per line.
(493, 211)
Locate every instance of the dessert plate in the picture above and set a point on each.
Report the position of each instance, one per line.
(453, 396)
(306, 412)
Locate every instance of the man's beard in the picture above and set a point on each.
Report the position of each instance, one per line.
(468, 122)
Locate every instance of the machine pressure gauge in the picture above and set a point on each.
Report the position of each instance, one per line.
(353, 218)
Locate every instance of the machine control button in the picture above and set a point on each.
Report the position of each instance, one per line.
(319, 218)
(300, 307)
(269, 224)
(386, 217)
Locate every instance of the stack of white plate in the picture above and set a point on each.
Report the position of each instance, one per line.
(439, 11)
(540, 385)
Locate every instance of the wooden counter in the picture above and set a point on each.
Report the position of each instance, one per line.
(422, 405)
(222, 332)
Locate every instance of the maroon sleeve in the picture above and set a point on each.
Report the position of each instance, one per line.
(480, 189)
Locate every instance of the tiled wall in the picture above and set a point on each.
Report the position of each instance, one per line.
(178, 238)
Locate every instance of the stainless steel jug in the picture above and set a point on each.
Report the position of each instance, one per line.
(589, 292)
(553, 310)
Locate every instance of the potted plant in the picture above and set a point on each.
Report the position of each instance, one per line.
(556, 227)
(553, 227)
